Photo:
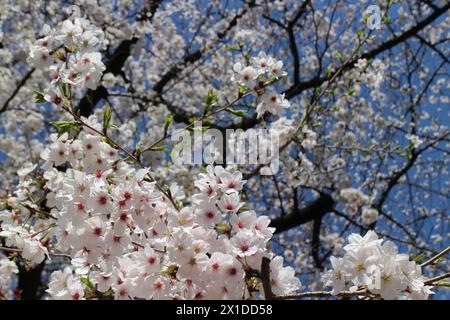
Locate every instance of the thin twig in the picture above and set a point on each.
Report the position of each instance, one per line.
(436, 257)
(435, 279)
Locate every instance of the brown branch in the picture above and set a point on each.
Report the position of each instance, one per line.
(436, 257)
(265, 278)
(299, 216)
(296, 89)
(434, 281)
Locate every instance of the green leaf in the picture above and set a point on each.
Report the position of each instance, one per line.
(404, 154)
(167, 121)
(192, 119)
(339, 56)
(247, 55)
(106, 117)
(39, 97)
(110, 292)
(65, 126)
(223, 227)
(360, 34)
(210, 100)
(72, 49)
(170, 271)
(271, 80)
(63, 88)
(242, 89)
(439, 260)
(419, 258)
(239, 113)
(160, 148)
(88, 283)
(58, 55)
(232, 48)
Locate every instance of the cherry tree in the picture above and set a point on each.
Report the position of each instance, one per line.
(94, 204)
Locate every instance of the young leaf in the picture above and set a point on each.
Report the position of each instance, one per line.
(210, 100)
(106, 118)
(39, 97)
(160, 148)
(232, 48)
(239, 113)
(419, 258)
(167, 121)
(65, 126)
(88, 283)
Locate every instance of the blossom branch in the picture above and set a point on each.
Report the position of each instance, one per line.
(436, 257)
(433, 281)
(14, 250)
(117, 145)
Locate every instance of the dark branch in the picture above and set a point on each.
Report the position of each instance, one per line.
(296, 89)
(315, 210)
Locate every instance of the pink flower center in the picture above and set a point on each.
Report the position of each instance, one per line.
(232, 271)
(76, 296)
(245, 247)
(215, 266)
(123, 292)
(127, 195)
(102, 200)
(158, 285)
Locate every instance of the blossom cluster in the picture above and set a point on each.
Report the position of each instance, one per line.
(7, 271)
(373, 73)
(253, 77)
(127, 239)
(371, 264)
(353, 199)
(70, 54)
(27, 241)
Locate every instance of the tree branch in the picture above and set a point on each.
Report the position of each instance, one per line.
(296, 89)
(312, 211)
